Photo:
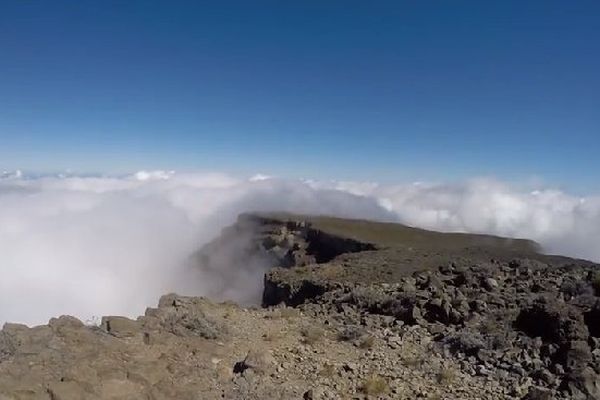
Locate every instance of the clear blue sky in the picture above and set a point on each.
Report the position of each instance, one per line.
(328, 89)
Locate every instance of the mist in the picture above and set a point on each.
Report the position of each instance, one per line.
(93, 246)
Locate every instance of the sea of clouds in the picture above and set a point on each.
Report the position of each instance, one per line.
(92, 246)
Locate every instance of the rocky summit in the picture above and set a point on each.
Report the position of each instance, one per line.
(350, 310)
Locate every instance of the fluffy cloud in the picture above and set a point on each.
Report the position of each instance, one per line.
(92, 246)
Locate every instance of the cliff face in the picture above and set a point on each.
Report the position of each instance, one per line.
(352, 309)
(262, 242)
(347, 252)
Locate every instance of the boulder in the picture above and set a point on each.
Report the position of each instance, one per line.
(258, 360)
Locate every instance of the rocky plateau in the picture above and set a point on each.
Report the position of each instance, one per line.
(350, 309)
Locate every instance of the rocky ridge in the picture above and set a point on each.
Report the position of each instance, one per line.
(351, 309)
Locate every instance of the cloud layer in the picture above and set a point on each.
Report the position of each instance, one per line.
(561, 223)
(92, 246)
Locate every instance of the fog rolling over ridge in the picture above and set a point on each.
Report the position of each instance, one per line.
(92, 246)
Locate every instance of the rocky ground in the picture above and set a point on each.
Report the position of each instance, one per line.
(351, 310)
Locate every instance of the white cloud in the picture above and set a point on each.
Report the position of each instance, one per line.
(153, 175)
(562, 223)
(11, 174)
(259, 177)
(93, 246)
(103, 245)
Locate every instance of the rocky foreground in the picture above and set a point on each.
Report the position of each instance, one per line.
(351, 310)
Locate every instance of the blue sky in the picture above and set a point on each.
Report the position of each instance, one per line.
(388, 91)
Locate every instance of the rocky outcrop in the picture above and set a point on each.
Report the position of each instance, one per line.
(279, 243)
(120, 359)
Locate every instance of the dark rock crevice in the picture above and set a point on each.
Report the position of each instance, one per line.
(325, 247)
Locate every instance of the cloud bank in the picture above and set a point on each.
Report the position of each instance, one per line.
(92, 246)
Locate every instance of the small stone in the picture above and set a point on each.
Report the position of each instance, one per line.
(490, 284)
(260, 361)
(350, 367)
(482, 370)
